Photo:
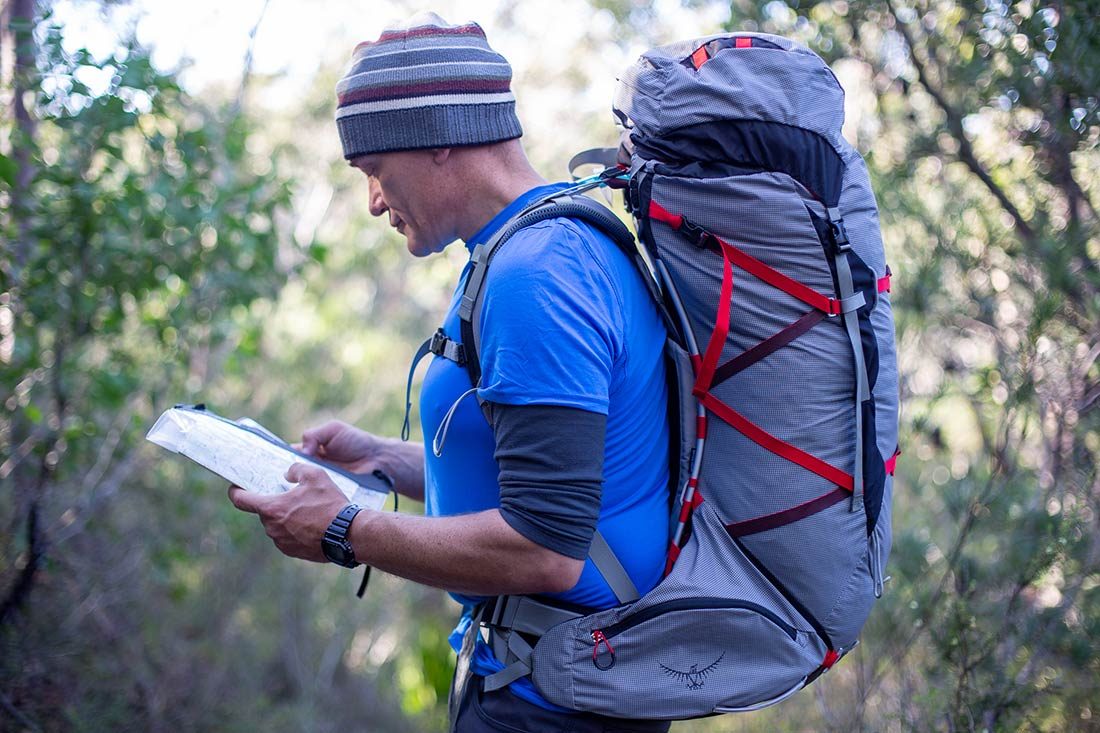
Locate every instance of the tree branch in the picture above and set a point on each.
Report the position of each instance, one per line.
(16, 713)
(19, 591)
(955, 126)
(20, 24)
(246, 73)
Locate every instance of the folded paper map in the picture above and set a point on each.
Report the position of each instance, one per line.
(252, 457)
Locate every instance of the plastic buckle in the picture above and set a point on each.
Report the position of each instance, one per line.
(697, 234)
(439, 342)
(840, 235)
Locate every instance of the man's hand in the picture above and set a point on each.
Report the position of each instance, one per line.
(358, 451)
(296, 521)
(343, 445)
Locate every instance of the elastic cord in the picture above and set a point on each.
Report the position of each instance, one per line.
(441, 433)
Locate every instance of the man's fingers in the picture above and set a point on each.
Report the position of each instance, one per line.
(310, 445)
(314, 439)
(300, 471)
(246, 501)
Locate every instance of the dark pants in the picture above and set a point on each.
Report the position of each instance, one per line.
(502, 712)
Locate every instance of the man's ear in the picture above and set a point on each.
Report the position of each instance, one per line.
(440, 155)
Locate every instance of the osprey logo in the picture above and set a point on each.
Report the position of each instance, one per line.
(694, 677)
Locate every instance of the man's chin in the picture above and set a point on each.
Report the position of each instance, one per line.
(420, 249)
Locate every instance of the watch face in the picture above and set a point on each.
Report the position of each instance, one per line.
(335, 543)
(337, 552)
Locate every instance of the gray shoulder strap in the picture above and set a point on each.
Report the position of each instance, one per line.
(613, 572)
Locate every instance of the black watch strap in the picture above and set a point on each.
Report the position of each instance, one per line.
(335, 544)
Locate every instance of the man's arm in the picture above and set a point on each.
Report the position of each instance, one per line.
(478, 553)
(551, 468)
(551, 475)
(475, 554)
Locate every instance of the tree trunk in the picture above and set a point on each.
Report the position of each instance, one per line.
(27, 480)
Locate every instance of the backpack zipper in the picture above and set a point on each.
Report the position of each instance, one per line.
(689, 604)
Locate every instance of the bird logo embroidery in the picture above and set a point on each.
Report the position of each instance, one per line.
(694, 677)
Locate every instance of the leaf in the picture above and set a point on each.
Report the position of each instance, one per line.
(33, 413)
(9, 169)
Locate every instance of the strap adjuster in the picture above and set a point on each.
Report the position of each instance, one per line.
(697, 234)
(441, 345)
(439, 340)
(838, 230)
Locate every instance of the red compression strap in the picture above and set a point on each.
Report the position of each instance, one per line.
(750, 264)
(721, 329)
(661, 214)
(770, 345)
(884, 282)
(777, 279)
(787, 516)
(700, 57)
(769, 442)
(743, 42)
(892, 462)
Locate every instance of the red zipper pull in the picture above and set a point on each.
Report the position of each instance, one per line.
(598, 638)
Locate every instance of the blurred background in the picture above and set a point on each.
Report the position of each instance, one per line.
(177, 224)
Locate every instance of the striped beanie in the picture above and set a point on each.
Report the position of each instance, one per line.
(426, 84)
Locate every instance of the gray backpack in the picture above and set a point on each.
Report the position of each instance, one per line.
(761, 243)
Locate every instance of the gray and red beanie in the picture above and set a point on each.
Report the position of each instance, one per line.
(427, 84)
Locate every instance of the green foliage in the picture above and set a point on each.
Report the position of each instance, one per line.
(140, 223)
(153, 259)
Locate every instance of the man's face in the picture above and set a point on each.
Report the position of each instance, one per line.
(401, 185)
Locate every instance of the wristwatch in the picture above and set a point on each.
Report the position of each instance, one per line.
(335, 544)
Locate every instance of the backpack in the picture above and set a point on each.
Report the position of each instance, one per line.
(760, 242)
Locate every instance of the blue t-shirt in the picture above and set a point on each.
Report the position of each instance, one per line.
(566, 321)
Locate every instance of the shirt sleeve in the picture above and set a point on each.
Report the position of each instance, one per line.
(552, 325)
(551, 473)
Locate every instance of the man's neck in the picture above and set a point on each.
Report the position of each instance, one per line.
(492, 186)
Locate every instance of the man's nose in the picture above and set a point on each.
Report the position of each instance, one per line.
(377, 203)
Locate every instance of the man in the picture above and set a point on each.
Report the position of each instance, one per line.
(571, 371)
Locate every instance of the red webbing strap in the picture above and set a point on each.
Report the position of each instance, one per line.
(721, 328)
(771, 443)
(777, 279)
(750, 264)
(743, 42)
(768, 346)
(884, 282)
(663, 215)
(787, 516)
(892, 461)
(699, 57)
